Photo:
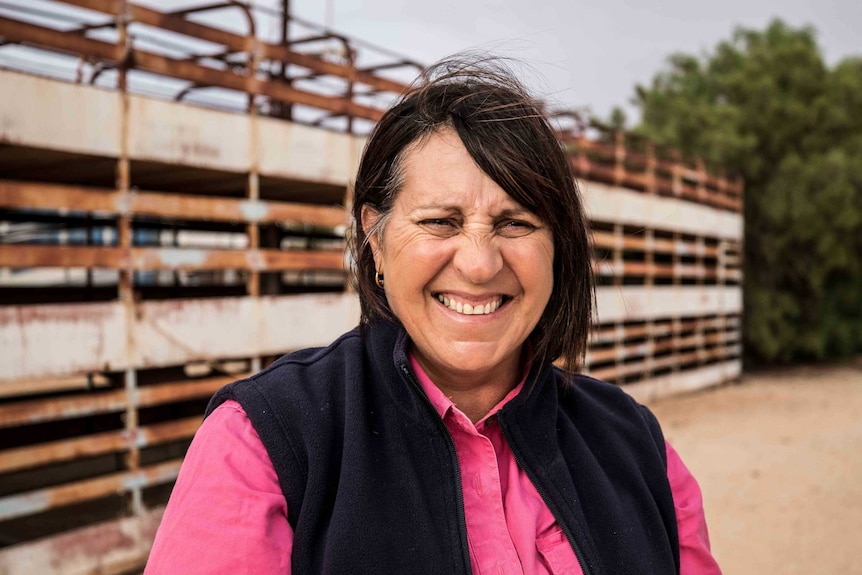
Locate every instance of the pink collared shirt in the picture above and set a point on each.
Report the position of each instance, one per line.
(227, 513)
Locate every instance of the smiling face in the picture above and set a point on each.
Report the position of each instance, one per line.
(468, 271)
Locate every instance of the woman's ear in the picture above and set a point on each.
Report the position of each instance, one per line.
(370, 219)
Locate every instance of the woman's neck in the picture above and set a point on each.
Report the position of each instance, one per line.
(475, 394)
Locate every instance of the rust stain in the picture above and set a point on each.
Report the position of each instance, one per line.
(110, 538)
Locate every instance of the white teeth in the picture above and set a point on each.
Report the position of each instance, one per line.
(470, 309)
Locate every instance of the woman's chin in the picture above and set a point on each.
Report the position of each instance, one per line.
(473, 358)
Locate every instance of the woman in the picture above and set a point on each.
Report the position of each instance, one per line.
(438, 437)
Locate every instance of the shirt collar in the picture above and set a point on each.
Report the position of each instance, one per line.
(443, 405)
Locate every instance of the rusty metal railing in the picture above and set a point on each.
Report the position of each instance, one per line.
(246, 64)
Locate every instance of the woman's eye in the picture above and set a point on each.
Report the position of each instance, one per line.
(438, 222)
(515, 228)
(440, 226)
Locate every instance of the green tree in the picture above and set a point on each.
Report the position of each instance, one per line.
(765, 105)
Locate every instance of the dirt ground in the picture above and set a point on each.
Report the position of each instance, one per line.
(779, 459)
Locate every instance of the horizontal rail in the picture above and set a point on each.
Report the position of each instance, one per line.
(238, 43)
(143, 259)
(115, 484)
(606, 160)
(164, 205)
(41, 410)
(610, 240)
(96, 444)
(629, 369)
(41, 37)
(622, 352)
(661, 328)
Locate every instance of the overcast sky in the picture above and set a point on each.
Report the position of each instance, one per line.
(585, 54)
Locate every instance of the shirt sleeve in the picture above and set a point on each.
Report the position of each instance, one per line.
(227, 512)
(694, 550)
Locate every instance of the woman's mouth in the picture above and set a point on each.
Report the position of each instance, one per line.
(476, 308)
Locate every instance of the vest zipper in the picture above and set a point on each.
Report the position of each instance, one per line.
(453, 453)
(579, 553)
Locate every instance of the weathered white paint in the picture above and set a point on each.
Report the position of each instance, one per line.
(684, 381)
(40, 341)
(61, 339)
(305, 320)
(304, 153)
(44, 113)
(178, 331)
(187, 135)
(632, 303)
(619, 205)
(110, 547)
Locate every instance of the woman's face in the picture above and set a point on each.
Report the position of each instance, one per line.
(468, 270)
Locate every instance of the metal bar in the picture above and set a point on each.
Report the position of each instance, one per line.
(50, 409)
(96, 444)
(45, 499)
(185, 70)
(32, 35)
(176, 206)
(237, 43)
(140, 259)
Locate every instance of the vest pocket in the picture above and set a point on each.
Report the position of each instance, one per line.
(557, 554)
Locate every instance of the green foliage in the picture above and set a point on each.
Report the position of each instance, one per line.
(765, 105)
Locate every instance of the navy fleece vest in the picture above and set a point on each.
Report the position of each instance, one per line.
(371, 476)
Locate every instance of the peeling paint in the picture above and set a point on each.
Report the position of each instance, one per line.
(176, 258)
(25, 504)
(253, 210)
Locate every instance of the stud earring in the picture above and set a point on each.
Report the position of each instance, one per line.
(378, 279)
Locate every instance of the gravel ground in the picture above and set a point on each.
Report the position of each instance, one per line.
(779, 459)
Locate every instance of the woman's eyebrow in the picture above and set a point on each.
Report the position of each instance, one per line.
(517, 212)
(513, 212)
(438, 206)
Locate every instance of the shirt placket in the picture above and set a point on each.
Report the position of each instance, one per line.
(492, 549)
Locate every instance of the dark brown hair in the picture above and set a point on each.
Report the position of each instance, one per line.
(508, 135)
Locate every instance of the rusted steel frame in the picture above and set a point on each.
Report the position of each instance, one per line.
(96, 444)
(141, 259)
(319, 66)
(15, 194)
(659, 328)
(626, 351)
(390, 65)
(31, 502)
(41, 410)
(234, 210)
(37, 411)
(253, 260)
(183, 390)
(209, 76)
(28, 256)
(203, 8)
(38, 36)
(658, 245)
(593, 156)
(237, 43)
(651, 364)
(184, 70)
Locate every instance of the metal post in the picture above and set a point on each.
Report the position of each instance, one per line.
(126, 278)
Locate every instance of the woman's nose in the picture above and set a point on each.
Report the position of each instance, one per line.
(478, 259)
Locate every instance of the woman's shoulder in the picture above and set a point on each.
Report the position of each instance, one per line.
(585, 397)
(310, 374)
(585, 388)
